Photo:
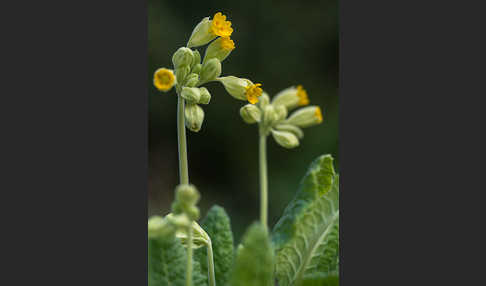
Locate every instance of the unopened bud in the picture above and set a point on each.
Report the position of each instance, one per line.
(210, 70)
(196, 59)
(181, 74)
(191, 94)
(292, 129)
(264, 100)
(182, 57)
(201, 35)
(191, 80)
(281, 112)
(187, 194)
(197, 68)
(205, 96)
(250, 113)
(269, 115)
(285, 139)
(159, 227)
(194, 116)
(306, 117)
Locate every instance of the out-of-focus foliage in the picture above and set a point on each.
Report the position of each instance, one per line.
(218, 227)
(278, 43)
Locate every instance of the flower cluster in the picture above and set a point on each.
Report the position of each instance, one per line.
(272, 116)
(190, 73)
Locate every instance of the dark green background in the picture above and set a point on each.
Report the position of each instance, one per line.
(278, 44)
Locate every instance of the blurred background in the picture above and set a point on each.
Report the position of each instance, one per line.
(278, 44)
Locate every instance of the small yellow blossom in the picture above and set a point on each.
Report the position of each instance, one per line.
(227, 44)
(318, 114)
(253, 91)
(164, 79)
(302, 94)
(221, 27)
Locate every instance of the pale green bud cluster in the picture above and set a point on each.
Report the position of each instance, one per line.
(273, 118)
(185, 201)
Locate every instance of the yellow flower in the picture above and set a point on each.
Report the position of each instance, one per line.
(164, 79)
(318, 114)
(221, 27)
(302, 94)
(253, 91)
(227, 44)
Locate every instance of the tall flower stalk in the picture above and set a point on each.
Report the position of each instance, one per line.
(272, 119)
(188, 76)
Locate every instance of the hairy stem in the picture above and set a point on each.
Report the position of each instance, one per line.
(263, 180)
(189, 257)
(212, 276)
(181, 136)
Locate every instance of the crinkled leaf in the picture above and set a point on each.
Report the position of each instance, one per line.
(218, 226)
(306, 237)
(167, 263)
(254, 263)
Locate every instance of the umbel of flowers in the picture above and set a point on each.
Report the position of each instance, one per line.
(272, 118)
(191, 71)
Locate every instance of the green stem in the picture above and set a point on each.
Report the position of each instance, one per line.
(189, 257)
(184, 174)
(263, 180)
(181, 135)
(212, 276)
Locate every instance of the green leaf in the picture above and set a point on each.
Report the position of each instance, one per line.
(306, 238)
(218, 226)
(331, 279)
(254, 263)
(167, 260)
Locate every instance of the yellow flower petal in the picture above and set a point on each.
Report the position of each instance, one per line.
(253, 91)
(164, 79)
(302, 94)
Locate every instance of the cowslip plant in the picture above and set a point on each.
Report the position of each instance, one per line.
(303, 247)
(272, 118)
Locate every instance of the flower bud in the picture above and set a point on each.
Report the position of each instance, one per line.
(250, 113)
(285, 139)
(191, 80)
(181, 74)
(194, 116)
(205, 96)
(306, 117)
(281, 112)
(291, 97)
(159, 227)
(269, 115)
(187, 193)
(178, 221)
(197, 69)
(182, 57)
(196, 59)
(210, 70)
(235, 86)
(191, 94)
(292, 129)
(219, 49)
(201, 35)
(264, 100)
